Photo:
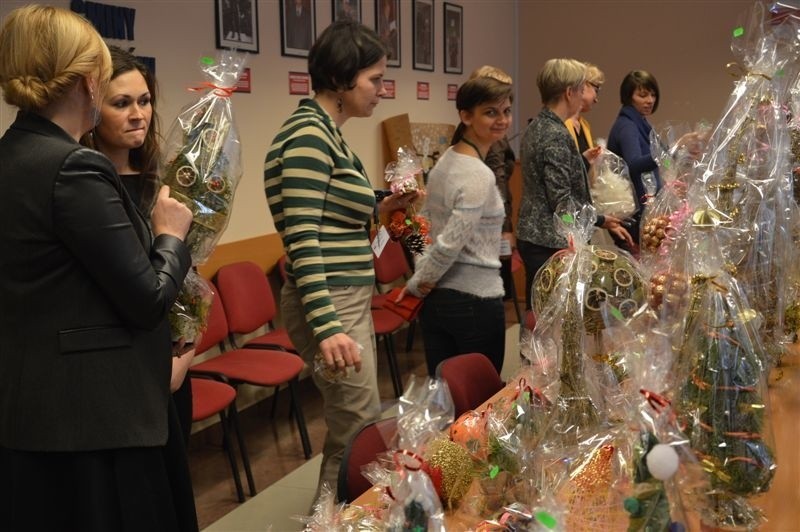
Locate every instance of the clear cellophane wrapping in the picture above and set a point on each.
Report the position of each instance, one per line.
(745, 176)
(202, 166)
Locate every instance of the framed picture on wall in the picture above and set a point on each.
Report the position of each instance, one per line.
(423, 34)
(387, 25)
(298, 27)
(237, 24)
(453, 38)
(346, 10)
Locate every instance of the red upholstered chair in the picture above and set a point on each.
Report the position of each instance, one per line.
(365, 446)
(249, 304)
(472, 379)
(258, 367)
(214, 397)
(389, 267)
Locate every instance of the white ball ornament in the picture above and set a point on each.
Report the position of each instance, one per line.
(662, 461)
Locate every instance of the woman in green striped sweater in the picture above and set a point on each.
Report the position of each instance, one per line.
(322, 203)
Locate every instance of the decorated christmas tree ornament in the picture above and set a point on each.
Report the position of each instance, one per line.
(591, 503)
(455, 465)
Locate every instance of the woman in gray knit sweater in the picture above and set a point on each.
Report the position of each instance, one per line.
(464, 312)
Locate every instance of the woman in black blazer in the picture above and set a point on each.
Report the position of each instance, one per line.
(85, 288)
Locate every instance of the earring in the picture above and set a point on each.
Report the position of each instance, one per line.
(339, 104)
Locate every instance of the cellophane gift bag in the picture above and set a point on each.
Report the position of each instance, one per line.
(202, 166)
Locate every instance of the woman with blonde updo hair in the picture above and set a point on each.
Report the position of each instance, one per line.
(85, 287)
(553, 173)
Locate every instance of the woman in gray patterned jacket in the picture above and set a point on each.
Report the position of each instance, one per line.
(553, 174)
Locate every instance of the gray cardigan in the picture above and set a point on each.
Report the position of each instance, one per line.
(552, 174)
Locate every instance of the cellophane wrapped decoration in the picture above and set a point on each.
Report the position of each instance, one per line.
(407, 226)
(612, 190)
(202, 167)
(721, 394)
(662, 478)
(414, 485)
(676, 147)
(569, 293)
(203, 155)
(187, 317)
(328, 516)
(402, 174)
(662, 217)
(745, 174)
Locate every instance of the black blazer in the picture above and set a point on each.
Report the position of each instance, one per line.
(85, 351)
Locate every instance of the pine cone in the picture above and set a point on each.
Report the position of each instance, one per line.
(415, 243)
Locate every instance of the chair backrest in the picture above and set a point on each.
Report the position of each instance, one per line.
(472, 379)
(246, 296)
(392, 264)
(363, 448)
(216, 324)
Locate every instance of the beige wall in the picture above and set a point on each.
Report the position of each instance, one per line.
(684, 43)
(177, 33)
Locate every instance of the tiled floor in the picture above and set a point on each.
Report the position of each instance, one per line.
(286, 481)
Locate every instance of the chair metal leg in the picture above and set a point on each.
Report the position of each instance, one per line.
(234, 420)
(274, 402)
(412, 327)
(301, 422)
(226, 443)
(397, 382)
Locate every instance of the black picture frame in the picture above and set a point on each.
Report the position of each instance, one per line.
(387, 26)
(298, 27)
(453, 38)
(237, 24)
(423, 35)
(346, 9)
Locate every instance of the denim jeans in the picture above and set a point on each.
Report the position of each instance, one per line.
(454, 323)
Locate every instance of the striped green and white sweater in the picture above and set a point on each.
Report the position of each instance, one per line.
(321, 202)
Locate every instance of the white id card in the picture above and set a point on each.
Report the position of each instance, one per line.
(380, 241)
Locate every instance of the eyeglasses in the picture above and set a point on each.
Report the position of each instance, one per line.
(596, 87)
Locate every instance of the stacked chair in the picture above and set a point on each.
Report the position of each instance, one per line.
(269, 367)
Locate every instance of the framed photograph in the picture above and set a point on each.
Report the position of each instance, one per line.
(346, 10)
(423, 34)
(298, 27)
(237, 24)
(453, 39)
(387, 25)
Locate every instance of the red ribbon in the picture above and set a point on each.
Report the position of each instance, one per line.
(224, 92)
(658, 402)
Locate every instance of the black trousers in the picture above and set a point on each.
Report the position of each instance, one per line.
(454, 323)
(533, 257)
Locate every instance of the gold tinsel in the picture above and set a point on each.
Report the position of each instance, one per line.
(456, 465)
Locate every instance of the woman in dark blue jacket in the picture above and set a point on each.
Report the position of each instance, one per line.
(630, 138)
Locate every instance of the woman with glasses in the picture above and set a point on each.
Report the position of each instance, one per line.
(577, 125)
